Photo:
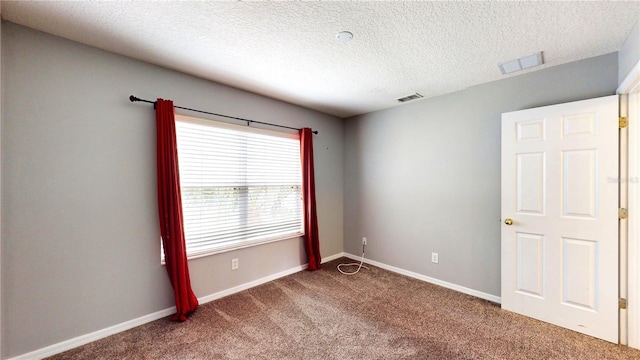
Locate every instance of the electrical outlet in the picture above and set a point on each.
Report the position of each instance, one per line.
(434, 258)
(364, 240)
(234, 264)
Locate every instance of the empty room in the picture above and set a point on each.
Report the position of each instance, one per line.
(319, 180)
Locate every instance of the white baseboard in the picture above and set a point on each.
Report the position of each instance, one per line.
(96, 335)
(249, 285)
(448, 285)
(87, 338)
(333, 257)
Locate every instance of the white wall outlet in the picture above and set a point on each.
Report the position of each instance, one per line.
(434, 258)
(234, 264)
(364, 240)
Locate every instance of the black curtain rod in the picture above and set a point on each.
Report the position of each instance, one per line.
(134, 99)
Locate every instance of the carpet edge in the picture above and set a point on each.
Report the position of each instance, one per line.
(72, 343)
(411, 274)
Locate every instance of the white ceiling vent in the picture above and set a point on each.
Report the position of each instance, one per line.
(410, 97)
(522, 63)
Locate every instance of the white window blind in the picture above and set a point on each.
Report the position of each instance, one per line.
(240, 186)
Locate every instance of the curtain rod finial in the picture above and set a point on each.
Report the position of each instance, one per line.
(315, 132)
(133, 98)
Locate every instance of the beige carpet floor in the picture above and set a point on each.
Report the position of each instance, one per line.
(375, 314)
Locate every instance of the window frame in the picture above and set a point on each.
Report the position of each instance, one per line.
(239, 244)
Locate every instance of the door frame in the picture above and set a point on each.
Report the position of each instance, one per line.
(629, 91)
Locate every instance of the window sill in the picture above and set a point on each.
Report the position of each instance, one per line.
(237, 246)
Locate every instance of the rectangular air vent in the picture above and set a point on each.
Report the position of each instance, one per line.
(522, 63)
(410, 97)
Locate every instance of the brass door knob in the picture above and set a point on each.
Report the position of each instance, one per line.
(508, 221)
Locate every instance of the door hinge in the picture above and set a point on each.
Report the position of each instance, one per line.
(622, 213)
(622, 303)
(622, 122)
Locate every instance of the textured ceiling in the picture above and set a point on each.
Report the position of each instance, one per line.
(288, 50)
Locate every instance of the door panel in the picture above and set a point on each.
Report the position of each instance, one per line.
(579, 183)
(560, 188)
(530, 183)
(530, 264)
(579, 271)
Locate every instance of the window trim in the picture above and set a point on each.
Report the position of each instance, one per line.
(236, 127)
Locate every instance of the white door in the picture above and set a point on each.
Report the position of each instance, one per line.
(560, 195)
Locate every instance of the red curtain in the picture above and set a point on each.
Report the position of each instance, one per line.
(170, 211)
(311, 243)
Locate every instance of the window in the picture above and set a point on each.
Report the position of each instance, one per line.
(240, 186)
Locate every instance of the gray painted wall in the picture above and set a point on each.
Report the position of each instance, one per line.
(629, 54)
(81, 248)
(425, 177)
